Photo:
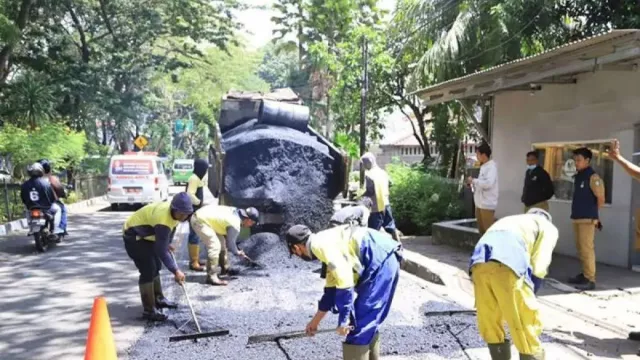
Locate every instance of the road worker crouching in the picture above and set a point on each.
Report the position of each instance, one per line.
(147, 239)
(218, 227)
(363, 270)
(507, 268)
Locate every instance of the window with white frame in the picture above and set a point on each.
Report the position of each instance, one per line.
(557, 160)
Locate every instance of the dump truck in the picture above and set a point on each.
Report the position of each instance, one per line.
(265, 154)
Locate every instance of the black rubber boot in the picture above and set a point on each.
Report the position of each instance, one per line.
(148, 297)
(634, 335)
(161, 301)
(500, 351)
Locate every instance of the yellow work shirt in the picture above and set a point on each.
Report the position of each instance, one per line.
(380, 181)
(144, 221)
(193, 185)
(539, 236)
(219, 218)
(339, 249)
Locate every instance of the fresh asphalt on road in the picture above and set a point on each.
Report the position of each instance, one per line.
(46, 300)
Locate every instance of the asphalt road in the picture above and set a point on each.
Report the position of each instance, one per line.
(46, 303)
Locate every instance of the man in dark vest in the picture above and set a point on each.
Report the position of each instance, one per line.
(538, 187)
(195, 190)
(588, 197)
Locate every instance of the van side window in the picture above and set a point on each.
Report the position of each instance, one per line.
(160, 167)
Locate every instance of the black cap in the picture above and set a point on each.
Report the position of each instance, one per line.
(250, 213)
(297, 234)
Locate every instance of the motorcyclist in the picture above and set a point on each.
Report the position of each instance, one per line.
(58, 190)
(37, 193)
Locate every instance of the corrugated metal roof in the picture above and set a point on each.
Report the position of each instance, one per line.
(520, 64)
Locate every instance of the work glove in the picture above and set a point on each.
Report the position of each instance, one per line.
(537, 283)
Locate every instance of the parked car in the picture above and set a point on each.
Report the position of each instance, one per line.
(182, 170)
(136, 178)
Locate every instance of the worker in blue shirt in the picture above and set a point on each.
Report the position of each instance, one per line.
(363, 271)
(507, 268)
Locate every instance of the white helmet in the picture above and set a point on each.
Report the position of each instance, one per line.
(540, 212)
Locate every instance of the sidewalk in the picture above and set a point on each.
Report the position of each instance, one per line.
(594, 323)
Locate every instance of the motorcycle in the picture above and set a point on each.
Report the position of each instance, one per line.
(40, 225)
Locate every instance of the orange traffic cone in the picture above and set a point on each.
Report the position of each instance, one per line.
(100, 344)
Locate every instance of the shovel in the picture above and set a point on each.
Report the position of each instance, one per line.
(283, 336)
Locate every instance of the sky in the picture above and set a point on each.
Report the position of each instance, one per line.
(258, 25)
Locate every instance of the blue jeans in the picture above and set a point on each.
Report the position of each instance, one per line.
(194, 239)
(63, 218)
(383, 219)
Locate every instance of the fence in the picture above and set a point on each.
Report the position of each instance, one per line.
(88, 187)
(12, 208)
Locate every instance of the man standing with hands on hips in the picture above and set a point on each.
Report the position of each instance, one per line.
(588, 197)
(485, 188)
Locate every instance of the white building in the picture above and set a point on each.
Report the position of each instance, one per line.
(580, 94)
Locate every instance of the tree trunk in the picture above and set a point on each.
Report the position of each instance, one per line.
(7, 50)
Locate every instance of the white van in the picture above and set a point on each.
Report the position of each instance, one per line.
(137, 178)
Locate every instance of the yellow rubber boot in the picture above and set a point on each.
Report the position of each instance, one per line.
(194, 256)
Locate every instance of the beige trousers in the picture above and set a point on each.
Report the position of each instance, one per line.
(485, 219)
(215, 244)
(585, 232)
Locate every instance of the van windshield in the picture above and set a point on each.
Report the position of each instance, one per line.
(183, 166)
(131, 167)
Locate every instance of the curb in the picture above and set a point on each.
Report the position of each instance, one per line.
(21, 224)
(434, 271)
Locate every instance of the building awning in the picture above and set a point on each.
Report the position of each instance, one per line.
(615, 50)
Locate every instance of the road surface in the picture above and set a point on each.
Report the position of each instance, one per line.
(46, 302)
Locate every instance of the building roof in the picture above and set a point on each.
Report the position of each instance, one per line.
(617, 49)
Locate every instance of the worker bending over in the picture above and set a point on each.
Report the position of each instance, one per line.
(507, 268)
(218, 227)
(358, 214)
(147, 238)
(363, 271)
(195, 189)
(377, 189)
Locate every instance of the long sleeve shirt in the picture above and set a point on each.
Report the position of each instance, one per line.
(225, 221)
(485, 187)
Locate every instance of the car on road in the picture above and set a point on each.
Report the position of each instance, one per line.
(182, 170)
(136, 178)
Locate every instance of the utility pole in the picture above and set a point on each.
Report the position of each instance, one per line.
(363, 106)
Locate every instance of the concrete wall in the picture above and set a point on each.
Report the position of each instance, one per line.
(601, 105)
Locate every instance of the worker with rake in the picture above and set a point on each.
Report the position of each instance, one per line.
(363, 271)
(218, 227)
(507, 268)
(147, 239)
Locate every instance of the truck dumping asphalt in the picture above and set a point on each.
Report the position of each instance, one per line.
(284, 297)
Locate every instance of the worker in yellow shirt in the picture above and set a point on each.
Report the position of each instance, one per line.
(218, 227)
(147, 239)
(363, 271)
(507, 268)
(195, 189)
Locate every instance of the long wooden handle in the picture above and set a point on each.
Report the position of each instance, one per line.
(186, 295)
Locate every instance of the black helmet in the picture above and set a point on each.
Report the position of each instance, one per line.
(181, 203)
(250, 213)
(35, 169)
(46, 165)
(297, 234)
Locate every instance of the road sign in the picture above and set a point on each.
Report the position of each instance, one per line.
(141, 142)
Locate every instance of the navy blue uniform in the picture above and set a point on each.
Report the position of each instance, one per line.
(37, 193)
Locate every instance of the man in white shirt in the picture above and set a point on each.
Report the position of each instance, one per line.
(485, 188)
